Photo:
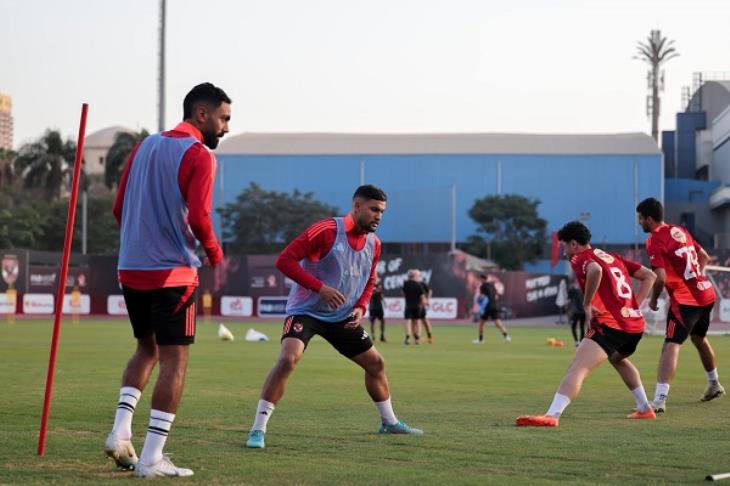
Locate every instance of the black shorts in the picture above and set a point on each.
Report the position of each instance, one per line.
(490, 313)
(376, 314)
(693, 320)
(348, 342)
(168, 313)
(415, 312)
(613, 340)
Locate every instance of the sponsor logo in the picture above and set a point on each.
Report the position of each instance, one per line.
(626, 312)
(704, 285)
(603, 256)
(678, 235)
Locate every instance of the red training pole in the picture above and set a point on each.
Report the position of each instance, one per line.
(62, 278)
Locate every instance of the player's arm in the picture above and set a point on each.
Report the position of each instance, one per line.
(593, 280)
(362, 302)
(644, 275)
(702, 258)
(119, 199)
(196, 177)
(656, 259)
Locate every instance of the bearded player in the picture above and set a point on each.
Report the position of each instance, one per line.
(333, 266)
(616, 322)
(679, 262)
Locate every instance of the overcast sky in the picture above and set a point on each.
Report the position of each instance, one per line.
(388, 66)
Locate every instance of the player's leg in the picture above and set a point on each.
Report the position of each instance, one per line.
(416, 330)
(480, 339)
(407, 325)
(589, 355)
(501, 327)
(707, 354)
(382, 330)
(676, 334)
(118, 445)
(429, 329)
(376, 384)
(277, 379)
(372, 324)
(582, 321)
(174, 314)
(631, 377)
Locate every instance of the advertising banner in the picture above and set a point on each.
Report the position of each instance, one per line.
(236, 306)
(38, 304)
(116, 306)
(271, 307)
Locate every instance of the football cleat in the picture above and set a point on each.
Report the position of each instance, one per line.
(659, 406)
(122, 451)
(537, 421)
(648, 414)
(399, 428)
(712, 391)
(256, 439)
(164, 468)
(507, 339)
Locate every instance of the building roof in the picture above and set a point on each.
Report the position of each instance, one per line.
(437, 143)
(104, 138)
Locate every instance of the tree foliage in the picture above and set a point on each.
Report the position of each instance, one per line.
(46, 164)
(116, 157)
(262, 221)
(511, 226)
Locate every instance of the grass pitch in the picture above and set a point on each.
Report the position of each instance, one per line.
(464, 396)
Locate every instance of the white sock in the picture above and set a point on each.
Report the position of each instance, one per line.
(386, 412)
(263, 414)
(711, 376)
(560, 403)
(157, 432)
(128, 398)
(642, 403)
(662, 391)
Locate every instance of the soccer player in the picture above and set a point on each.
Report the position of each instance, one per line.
(163, 206)
(376, 311)
(616, 322)
(577, 314)
(333, 266)
(415, 297)
(679, 263)
(427, 294)
(489, 309)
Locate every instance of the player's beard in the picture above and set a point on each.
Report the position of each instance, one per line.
(367, 226)
(211, 139)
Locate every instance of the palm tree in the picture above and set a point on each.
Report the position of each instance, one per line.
(7, 158)
(46, 164)
(656, 51)
(116, 157)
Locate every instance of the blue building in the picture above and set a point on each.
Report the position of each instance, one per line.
(697, 156)
(432, 180)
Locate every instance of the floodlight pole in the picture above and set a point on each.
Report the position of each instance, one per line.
(62, 279)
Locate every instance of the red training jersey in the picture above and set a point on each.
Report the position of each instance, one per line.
(672, 248)
(314, 244)
(614, 299)
(196, 176)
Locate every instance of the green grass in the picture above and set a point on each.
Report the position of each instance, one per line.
(465, 397)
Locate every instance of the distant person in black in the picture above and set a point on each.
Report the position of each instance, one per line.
(576, 312)
(489, 303)
(415, 306)
(376, 311)
(426, 298)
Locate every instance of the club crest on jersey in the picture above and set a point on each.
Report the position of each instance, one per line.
(678, 235)
(603, 256)
(704, 285)
(298, 327)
